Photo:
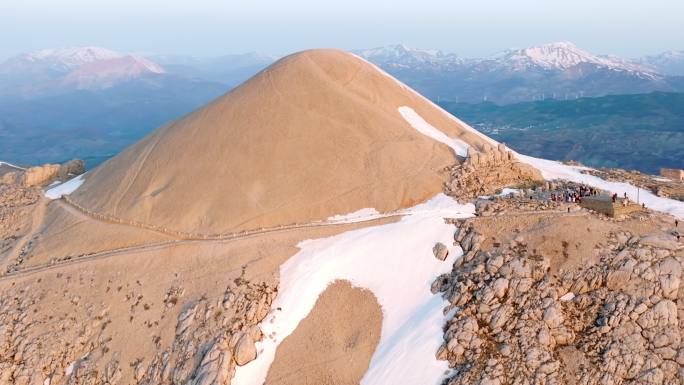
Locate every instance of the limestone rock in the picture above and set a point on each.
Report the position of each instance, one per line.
(661, 241)
(216, 367)
(440, 251)
(244, 351)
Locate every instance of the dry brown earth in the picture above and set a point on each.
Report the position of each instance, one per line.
(334, 343)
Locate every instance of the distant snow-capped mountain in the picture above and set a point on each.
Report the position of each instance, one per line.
(70, 58)
(563, 56)
(555, 70)
(401, 56)
(53, 70)
(559, 56)
(106, 73)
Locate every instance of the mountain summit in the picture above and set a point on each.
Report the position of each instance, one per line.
(298, 142)
(565, 55)
(402, 56)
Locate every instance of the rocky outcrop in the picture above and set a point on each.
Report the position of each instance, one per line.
(487, 171)
(619, 321)
(42, 175)
(231, 327)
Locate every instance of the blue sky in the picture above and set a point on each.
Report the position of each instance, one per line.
(212, 27)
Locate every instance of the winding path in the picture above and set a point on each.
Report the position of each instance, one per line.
(161, 245)
(39, 214)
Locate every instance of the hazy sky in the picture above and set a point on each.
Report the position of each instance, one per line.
(469, 28)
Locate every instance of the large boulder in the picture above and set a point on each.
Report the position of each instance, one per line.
(245, 351)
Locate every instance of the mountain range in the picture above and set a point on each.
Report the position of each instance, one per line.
(552, 71)
(92, 102)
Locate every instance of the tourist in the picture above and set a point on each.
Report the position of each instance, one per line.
(676, 223)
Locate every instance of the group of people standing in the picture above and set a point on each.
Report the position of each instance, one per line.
(572, 195)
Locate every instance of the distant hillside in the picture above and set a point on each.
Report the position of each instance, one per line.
(95, 124)
(642, 132)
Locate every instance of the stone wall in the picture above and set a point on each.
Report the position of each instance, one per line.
(604, 205)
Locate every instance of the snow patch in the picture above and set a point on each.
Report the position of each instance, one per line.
(65, 188)
(356, 216)
(12, 165)
(396, 263)
(425, 128)
(506, 191)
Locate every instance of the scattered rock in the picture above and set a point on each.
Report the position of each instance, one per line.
(440, 251)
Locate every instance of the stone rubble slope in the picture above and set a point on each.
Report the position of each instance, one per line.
(212, 337)
(620, 321)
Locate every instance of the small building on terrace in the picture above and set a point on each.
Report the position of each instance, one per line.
(604, 204)
(676, 174)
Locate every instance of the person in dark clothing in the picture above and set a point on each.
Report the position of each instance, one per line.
(676, 223)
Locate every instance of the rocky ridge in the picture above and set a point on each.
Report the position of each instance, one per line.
(45, 174)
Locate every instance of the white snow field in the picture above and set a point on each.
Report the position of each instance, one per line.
(507, 191)
(395, 262)
(65, 188)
